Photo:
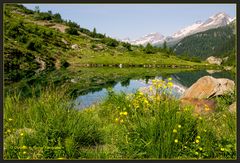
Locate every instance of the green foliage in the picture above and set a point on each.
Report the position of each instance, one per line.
(71, 30)
(127, 45)
(149, 49)
(57, 18)
(72, 24)
(34, 44)
(14, 29)
(165, 45)
(42, 16)
(110, 42)
(153, 129)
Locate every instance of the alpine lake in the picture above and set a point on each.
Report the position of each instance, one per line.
(90, 85)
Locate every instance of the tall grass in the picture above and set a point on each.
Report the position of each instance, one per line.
(154, 127)
(48, 126)
(136, 126)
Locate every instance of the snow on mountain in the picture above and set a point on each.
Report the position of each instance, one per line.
(218, 20)
(126, 40)
(215, 21)
(152, 38)
(185, 31)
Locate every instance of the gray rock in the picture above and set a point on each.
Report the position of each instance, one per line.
(214, 60)
(227, 68)
(75, 46)
(64, 41)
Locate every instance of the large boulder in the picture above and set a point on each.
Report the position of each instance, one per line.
(201, 106)
(208, 86)
(214, 60)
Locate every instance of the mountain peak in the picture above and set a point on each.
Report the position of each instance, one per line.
(215, 21)
(220, 14)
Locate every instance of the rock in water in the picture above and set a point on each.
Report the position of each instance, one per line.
(214, 60)
(208, 86)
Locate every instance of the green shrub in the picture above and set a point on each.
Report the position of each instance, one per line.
(149, 49)
(110, 42)
(34, 44)
(43, 16)
(127, 45)
(71, 31)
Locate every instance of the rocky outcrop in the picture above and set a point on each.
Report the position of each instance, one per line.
(214, 60)
(75, 46)
(197, 95)
(208, 86)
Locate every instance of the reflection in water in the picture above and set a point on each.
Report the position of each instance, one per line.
(132, 86)
(181, 81)
(89, 85)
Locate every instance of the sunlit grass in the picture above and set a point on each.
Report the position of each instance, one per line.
(137, 126)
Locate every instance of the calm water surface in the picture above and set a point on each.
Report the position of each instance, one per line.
(181, 81)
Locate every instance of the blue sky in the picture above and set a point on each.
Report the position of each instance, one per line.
(136, 20)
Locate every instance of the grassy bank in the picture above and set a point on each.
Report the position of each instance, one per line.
(136, 126)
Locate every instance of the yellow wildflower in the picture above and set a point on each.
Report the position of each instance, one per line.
(222, 149)
(140, 93)
(116, 119)
(197, 141)
(150, 88)
(207, 108)
(169, 78)
(24, 152)
(121, 121)
(8, 130)
(198, 137)
(60, 158)
(175, 141)
(174, 131)
(125, 113)
(179, 126)
(196, 153)
(21, 134)
(200, 148)
(24, 147)
(10, 119)
(170, 84)
(146, 101)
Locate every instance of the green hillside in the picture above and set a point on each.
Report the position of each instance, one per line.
(214, 42)
(39, 40)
